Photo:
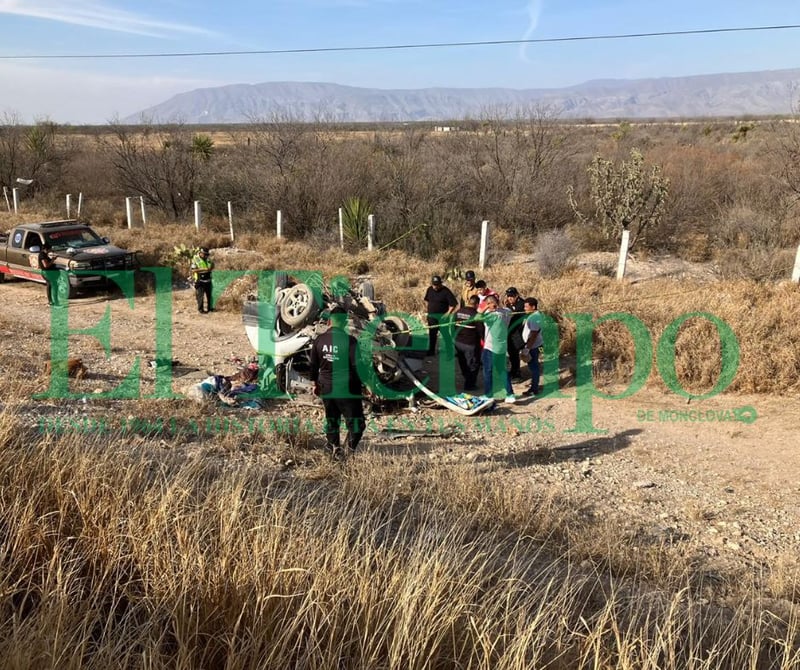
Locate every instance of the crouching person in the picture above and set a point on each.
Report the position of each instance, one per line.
(336, 381)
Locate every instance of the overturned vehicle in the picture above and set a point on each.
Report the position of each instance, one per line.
(283, 329)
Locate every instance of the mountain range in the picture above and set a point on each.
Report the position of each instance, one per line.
(712, 95)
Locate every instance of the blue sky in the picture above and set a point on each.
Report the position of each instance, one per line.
(93, 90)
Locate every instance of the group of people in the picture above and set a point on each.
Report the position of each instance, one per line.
(485, 332)
(487, 329)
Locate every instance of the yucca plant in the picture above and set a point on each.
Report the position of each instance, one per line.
(202, 146)
(354, 220)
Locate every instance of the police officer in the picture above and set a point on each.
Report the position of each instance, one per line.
(336, 381)
(48, 267)
(201, 269)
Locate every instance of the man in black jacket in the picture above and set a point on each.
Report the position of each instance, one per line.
(515, 302)
(336, 381)
(469, 333)
(440, 303)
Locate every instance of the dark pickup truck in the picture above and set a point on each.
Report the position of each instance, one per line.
(74, 246)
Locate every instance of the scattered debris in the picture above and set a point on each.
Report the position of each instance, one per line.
(74, 366)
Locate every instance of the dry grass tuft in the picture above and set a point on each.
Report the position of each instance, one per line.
(135, 551)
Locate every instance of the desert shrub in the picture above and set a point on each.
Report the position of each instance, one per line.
(554, 253)
(760, 263)
(695, 247)
(741, 227)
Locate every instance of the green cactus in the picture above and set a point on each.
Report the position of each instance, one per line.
(629, 195)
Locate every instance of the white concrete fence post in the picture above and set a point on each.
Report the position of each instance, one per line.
(15, 197)
(370, 231)
(80, 203)
(144, 213)
(197, 214)
(129, 212)
(484, 244)
(230, 218)
(69, 204)
(796, 270)
(279, 225)
(623, 254)
(5, 195)
(341, 228)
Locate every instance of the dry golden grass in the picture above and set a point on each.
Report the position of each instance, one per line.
(178, 550)
(163, 554)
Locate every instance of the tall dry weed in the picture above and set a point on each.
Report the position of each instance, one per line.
(113, 554)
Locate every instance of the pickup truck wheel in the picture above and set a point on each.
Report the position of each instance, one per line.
(399, 330)
(298, 306)
(368, 290)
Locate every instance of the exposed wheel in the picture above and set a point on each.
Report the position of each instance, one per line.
(399, 330)
(298, 306)
(368, 290)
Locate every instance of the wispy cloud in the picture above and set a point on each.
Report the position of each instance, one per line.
(534, 10)
(96, 15)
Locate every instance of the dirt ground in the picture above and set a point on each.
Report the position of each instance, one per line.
(692, 476)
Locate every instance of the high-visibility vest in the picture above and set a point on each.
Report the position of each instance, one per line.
(201, 268)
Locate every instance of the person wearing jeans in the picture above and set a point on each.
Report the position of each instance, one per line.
(532, 335)
(469, 333)
(496, 321)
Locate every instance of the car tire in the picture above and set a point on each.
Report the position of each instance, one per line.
(368, 290)
(399, 330)
(299, 306)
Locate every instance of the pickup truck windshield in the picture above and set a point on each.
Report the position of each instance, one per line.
(77, 239)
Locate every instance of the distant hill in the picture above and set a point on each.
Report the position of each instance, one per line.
(747, 93)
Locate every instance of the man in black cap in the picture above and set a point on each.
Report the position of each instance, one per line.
(469, 289)
(440, 303)
(201, 269)
(335, 376)
(514, 301)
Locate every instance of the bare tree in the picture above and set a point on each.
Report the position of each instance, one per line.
(163, 164)
(787, 132)
(509, 162)
(29, 152)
